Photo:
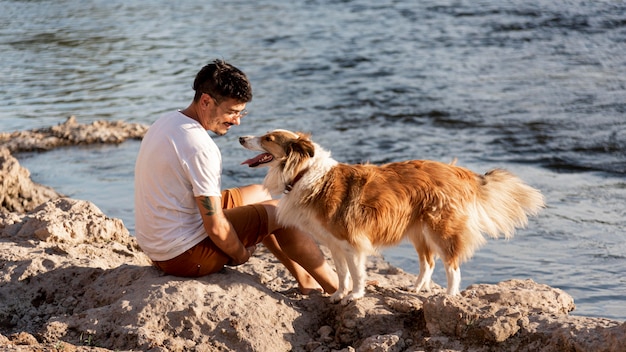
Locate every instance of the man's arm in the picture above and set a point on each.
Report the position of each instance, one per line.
(221, 231)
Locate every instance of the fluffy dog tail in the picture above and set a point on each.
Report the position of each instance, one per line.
(504, 203)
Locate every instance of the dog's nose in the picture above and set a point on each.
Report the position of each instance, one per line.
(242, 140)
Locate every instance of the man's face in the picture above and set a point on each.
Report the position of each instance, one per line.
(220, 117)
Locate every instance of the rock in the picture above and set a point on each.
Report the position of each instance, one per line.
(383, 343)
(69, 221)
(72, 133)
(71, 275)
(18, 193)
(520, 313)
(377, 314)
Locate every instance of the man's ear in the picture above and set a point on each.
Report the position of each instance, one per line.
(206, 100)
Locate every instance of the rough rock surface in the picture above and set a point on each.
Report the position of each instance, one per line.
(18, 193)
(73, 279)
(72, 133)
(71, 276)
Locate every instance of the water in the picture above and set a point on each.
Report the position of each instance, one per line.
(537, 87)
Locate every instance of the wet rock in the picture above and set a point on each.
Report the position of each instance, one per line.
(72, 133)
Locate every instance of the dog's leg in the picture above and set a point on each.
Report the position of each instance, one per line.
(342, 273)
(426, 259)
(427, 267)
(453, 274)
(356, 265)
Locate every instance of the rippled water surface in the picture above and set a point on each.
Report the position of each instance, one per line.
(537, 87)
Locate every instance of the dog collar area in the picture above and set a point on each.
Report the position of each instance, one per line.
(289, 186)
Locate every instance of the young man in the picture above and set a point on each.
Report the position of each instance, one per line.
(184, 222)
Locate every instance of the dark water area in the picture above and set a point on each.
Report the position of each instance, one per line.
(537, 87)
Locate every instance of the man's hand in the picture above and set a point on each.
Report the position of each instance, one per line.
(221, 231)
(249, 251)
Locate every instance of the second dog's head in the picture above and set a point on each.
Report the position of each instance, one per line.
(283, 151)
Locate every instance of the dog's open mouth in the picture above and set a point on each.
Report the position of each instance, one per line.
(259, 160)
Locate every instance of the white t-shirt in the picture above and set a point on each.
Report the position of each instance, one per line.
(177, 161)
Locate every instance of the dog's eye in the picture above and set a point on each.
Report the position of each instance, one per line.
(268, 138)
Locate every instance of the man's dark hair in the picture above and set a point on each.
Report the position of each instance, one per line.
(222, 81)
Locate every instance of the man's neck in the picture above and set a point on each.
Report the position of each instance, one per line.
(190, 112)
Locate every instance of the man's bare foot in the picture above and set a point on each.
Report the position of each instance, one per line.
(308, 291)
(307, 284)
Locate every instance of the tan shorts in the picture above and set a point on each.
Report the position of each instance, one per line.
(250, 223)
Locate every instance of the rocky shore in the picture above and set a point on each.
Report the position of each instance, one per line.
(74, 279)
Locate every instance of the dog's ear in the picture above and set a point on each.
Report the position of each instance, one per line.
(304, 135)
(302, 146)
(297, 151)
(305, 144)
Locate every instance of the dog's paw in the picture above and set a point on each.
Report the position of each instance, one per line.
(337, 296)
(452, 291)
(340, 296)
(351, 298)
(416, 289)
(420, 286)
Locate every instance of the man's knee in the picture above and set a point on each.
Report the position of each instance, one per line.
(254, 194)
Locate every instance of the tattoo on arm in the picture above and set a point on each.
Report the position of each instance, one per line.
(208, 206)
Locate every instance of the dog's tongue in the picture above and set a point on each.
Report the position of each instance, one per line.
(258, 160)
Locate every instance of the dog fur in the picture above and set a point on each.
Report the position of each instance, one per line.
(443, 209)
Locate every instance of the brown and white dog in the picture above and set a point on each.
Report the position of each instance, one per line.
(443, 209)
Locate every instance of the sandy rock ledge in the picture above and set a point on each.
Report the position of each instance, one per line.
(18, 193)
(73, 279)
(71, 133)
(71, 276)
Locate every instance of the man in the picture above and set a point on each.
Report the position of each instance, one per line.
(184, 222)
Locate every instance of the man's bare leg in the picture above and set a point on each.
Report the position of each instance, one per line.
(310, 268)
(318, 277)
(251, 194)
(300, 254)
